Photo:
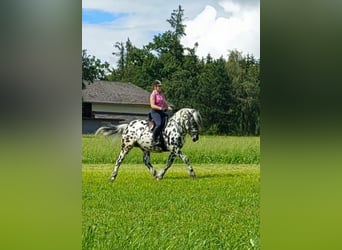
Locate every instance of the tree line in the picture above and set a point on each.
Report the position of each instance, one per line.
(226, 90)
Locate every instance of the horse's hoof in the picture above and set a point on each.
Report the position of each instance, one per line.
(154, 173)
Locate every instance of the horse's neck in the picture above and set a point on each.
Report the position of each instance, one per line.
(180, 123)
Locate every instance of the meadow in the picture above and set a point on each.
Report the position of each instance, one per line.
(209, 149)
(217, 210)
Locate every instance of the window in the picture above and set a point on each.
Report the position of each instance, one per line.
(86, 110)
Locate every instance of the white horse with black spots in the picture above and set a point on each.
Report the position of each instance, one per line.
(137, 133)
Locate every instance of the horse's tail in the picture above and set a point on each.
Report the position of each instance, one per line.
(111, 130)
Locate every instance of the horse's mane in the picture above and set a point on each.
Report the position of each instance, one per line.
(198, 118)
(195, 113)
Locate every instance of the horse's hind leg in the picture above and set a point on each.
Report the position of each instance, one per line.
(123, 153)
(146, 159)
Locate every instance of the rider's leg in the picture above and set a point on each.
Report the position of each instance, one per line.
(157, 118)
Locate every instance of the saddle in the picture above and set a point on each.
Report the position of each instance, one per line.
(151, 122)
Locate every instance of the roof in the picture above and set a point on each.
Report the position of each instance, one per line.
(115, 92)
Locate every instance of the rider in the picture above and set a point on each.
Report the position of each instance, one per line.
(159, 106)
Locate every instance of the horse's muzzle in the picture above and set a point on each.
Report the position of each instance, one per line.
(195, 138)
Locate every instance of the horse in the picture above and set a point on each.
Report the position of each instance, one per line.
(137, 133)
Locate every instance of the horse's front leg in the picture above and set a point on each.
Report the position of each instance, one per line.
(172, 157)
(146, 159)
(187, 162)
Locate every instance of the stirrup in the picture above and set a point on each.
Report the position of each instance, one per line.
(155, 143)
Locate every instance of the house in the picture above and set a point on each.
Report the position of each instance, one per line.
(105, 102)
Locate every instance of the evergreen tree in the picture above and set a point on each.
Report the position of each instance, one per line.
(226, 92)
(245, 109)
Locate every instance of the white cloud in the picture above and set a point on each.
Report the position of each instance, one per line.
(230, 6)
(219, 35)
(218, 27)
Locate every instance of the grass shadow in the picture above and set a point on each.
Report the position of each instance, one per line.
(202, 176)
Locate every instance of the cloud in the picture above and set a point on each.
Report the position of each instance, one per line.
(219, 35)
(218, 27)
(230, 7)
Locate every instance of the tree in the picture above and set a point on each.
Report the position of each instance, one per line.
(93, 69)
(226, 92)
(244, 112)
(176, 22)
(121, 54)
(213, 95)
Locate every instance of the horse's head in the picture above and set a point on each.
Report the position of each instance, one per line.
(194, 135)
(193, 123)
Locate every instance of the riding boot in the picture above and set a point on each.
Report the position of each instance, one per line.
(155, 142)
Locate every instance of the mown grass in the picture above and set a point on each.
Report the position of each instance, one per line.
(209, 149)
(217, 210)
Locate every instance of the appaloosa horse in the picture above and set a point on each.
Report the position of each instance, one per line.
(138, 134)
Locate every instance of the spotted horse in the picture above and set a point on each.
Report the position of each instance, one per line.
(138, 134)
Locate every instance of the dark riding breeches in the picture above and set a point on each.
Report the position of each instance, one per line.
(158, 117)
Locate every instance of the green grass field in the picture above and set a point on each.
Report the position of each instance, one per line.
(217, 210)
(209, 149)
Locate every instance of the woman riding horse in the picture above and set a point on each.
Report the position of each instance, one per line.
(159, 106)
(138, 134)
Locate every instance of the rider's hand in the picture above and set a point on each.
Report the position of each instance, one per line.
(169, 108)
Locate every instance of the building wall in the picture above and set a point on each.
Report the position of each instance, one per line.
(120, 108)
(89, 126)
(113, 114)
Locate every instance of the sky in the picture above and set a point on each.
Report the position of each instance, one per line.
(217, 26)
